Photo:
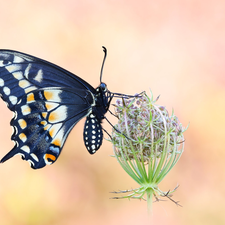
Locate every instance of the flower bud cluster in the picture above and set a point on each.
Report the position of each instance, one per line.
(146, 130)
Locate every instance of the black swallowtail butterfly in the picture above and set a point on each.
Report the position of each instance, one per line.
(47, 102)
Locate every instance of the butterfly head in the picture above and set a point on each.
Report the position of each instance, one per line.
(102, 87)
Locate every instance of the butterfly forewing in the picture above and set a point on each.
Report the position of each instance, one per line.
(21, 73)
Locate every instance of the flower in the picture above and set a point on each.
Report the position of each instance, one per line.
(147, 143)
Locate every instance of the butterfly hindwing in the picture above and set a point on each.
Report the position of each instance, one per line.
(43, 120)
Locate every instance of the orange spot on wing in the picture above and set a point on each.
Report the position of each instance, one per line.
(50, 156)
(51, 132)
(22, 123)
(47, 127)
(23, 137)
(48, 95)
(49, 106)
(44, 114)
(53, 117)
(30, 97)
(43, 122)
(57, 142)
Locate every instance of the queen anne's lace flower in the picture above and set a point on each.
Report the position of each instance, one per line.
(149, 143)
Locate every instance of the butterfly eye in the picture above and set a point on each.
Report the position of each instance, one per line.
(103, 87)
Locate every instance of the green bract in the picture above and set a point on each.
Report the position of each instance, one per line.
(148, 145)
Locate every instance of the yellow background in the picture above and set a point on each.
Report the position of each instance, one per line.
(175, 48)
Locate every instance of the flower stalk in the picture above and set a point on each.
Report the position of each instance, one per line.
(148, 145)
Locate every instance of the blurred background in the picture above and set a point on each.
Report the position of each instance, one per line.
(175, 48)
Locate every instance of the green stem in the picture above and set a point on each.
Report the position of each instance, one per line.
(149, 192)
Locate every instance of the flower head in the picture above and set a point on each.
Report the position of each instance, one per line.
(147, 143)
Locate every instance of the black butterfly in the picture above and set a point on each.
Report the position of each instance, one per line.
(47, 102)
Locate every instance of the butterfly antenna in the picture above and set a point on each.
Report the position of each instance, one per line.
(105, 54)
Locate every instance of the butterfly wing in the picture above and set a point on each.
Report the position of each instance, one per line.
(43, 120)
(41, 124)
(21, 73)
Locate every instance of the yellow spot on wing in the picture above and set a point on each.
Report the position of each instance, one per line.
(44, 114)
(59, 114)
(48, 95)
(55, 129)
(57, 142)
(22, 123)
(25, 110)
(49, 105)
(52, 132)
(30, 97)
(47, 127)
(24, 83)
(23, 137)
(53, 117)
(52, 95)
(43, 122)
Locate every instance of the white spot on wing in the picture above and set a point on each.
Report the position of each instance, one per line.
(30, 162)
(26, 73)
(1, 63)
(29, 89)
(25, 110)
(58, 115)
(1, 82)
(52, 95)
(39, 76)
(13, 99)
(15, 130)
(34, 157)
(24, 83)
(55, 129)
(51, 105)
(18, 75)
(17, 59)
(6, 90)
(25, 148)
(13, 67)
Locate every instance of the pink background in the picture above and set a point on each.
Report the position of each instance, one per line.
(175, 48)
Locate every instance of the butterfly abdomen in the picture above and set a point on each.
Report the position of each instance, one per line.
(93, 134)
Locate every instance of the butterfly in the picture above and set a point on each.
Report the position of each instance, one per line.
(47, 102)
